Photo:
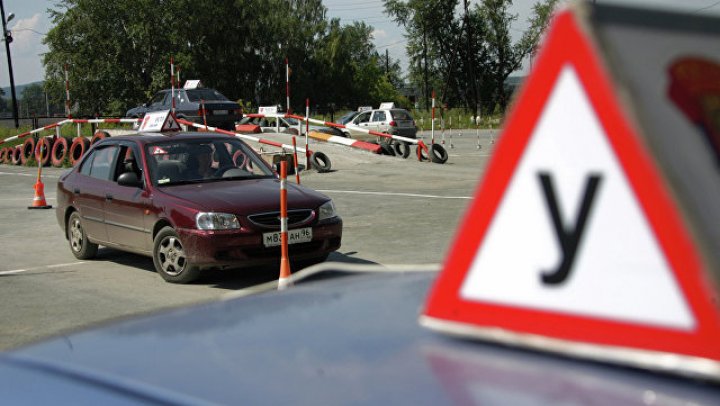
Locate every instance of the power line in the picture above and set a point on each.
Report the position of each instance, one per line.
(707, 7)
(391, 44)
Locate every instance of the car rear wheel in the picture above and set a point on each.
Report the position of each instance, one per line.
(80, 246)
(170, 259)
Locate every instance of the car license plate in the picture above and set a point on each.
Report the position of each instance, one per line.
(220, 112)
(294, 237)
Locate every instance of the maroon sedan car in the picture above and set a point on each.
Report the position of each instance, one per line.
(192, 201)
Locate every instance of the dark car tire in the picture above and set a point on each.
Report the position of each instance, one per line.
(402, 149)
(438, 154)
(321, 162)
(386, 148)
(80, 245)
(170, 259)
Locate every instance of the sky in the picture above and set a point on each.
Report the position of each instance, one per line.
(31, 22)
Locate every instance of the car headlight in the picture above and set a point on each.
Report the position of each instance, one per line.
(216, 221)
(327, 211)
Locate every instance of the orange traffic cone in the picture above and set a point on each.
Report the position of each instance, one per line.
(39, 200)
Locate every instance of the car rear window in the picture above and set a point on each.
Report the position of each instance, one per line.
(196, 95)
(401, 115)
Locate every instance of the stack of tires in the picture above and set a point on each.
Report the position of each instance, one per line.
(437, 154)
(50, 150)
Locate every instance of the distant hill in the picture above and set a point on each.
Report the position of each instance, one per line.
(19, 89)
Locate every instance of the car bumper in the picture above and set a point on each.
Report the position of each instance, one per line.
(240, 249)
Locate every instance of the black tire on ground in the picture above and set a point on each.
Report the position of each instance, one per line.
(402, 149)
(387, 149)
(438, 154)
(320, 161)
(80, 245)
(170, 259)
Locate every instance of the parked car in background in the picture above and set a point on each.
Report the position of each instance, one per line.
(200, 105)
(391, 121)
(192, 201)
(283, 125)
(347, 117)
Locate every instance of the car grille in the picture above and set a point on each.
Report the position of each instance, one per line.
(271, 221)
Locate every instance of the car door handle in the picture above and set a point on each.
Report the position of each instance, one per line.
(76, 191)
(108, 197)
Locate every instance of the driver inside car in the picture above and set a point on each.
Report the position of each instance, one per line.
(199, 164)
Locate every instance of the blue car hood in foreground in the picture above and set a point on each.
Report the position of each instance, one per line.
(346, 340)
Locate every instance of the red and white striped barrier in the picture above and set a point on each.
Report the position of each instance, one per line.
(241, 136)
(334, 139)
(35, 131)
(421, 145)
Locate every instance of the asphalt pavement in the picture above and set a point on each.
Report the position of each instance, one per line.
(395, 211)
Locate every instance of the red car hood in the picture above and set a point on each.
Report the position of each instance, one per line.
(245, 197)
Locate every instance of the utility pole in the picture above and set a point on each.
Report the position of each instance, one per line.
(8, 40)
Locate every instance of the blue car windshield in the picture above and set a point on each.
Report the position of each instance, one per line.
(196, 95)
(197, 161)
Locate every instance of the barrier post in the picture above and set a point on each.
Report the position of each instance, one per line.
(172, 83)
(432, 125)
(284, 280)
(67, 93)
(287, 84)
(202, 104)
(307, 131)
(295, 161)
(477, 130)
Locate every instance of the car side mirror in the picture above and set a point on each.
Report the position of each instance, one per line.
(129, 179)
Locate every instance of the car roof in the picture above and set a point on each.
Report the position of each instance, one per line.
(148, 138)
(332, 341)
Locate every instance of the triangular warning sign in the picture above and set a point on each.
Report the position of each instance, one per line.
(159, 121)
(573, 242)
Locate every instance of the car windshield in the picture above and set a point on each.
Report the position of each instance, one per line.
(401, 115)
(179, 162)
(195, 95)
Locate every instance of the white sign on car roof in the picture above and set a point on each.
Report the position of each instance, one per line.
(267, 110)
(192, 84)
(387, 105)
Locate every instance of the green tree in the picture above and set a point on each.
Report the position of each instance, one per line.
(32, 100)
(466, 58)
(118, 52)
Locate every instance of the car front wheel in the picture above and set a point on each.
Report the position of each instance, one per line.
(170, 259)
(80, 246)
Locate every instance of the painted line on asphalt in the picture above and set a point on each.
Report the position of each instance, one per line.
(53, 266)
(32, 175)
(10, 199)
(359, 192)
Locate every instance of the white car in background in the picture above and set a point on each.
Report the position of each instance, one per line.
(386, 119)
